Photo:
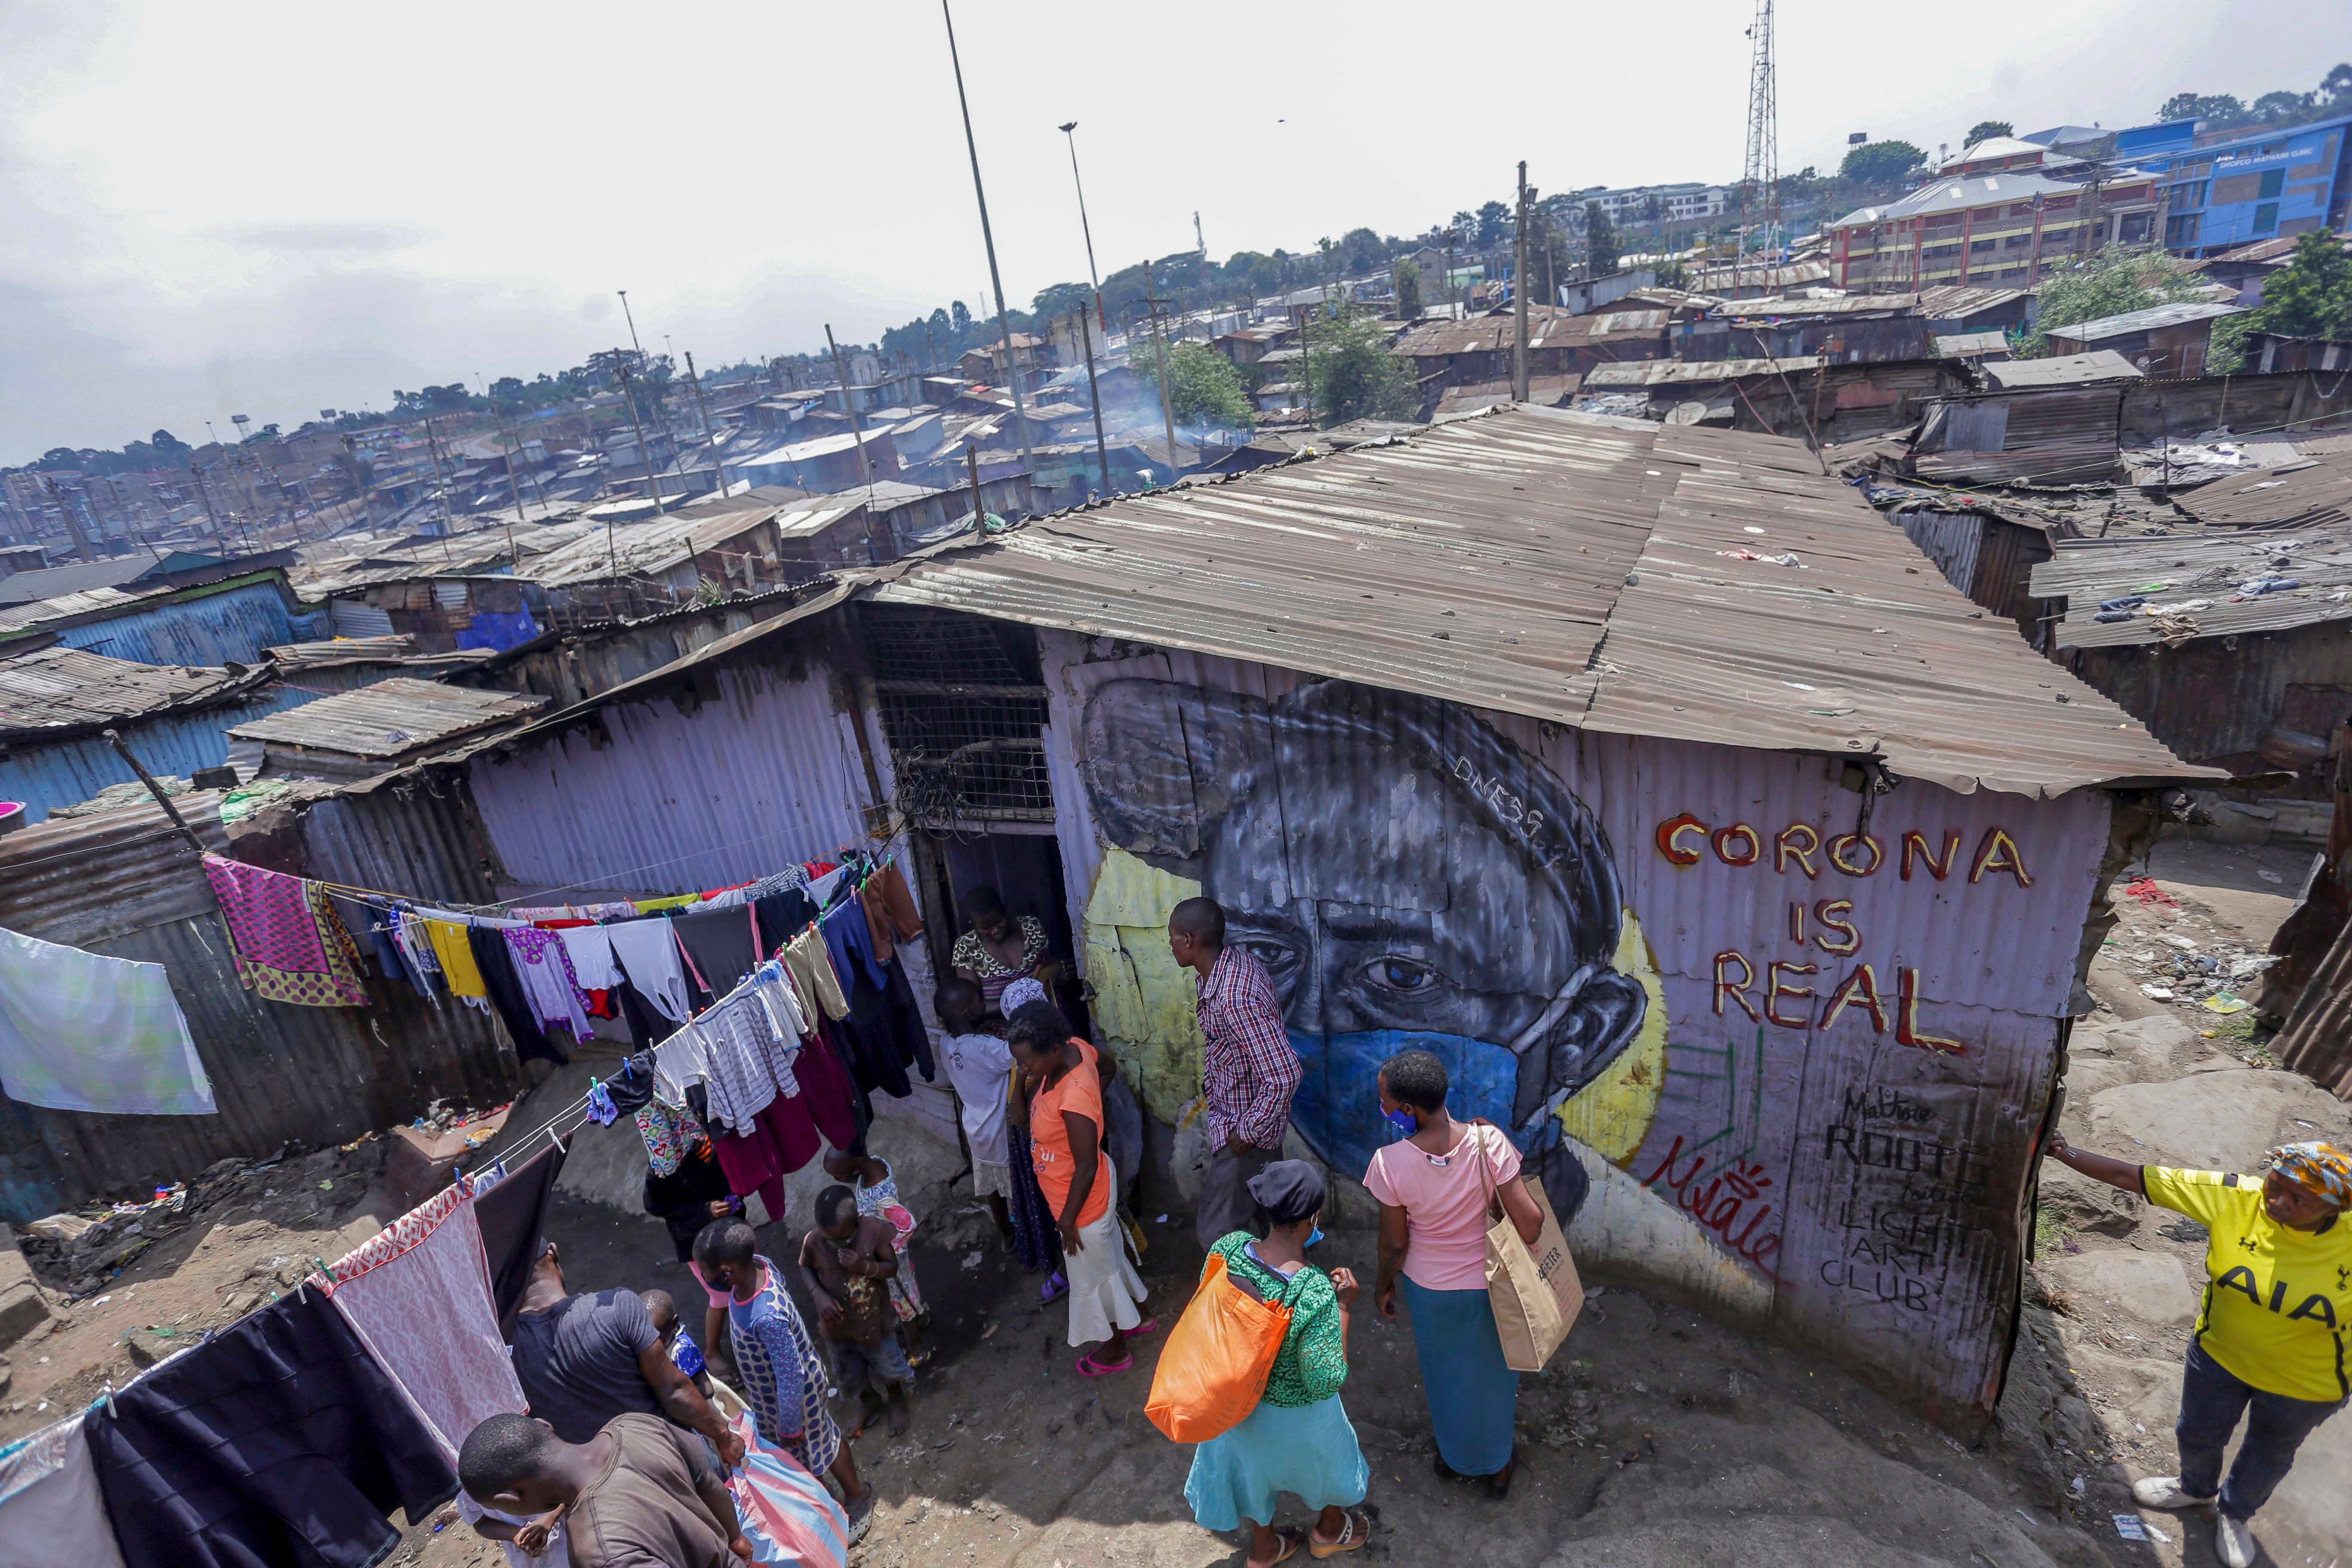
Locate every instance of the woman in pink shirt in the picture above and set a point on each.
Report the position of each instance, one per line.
(1439, 1189)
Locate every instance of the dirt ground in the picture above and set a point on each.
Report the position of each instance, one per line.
(1656, 1436)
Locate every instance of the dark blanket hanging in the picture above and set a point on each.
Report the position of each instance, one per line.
(282, 1441)
(496, 961)
(513, 1217)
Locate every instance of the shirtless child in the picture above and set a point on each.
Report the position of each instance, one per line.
(845, 1262)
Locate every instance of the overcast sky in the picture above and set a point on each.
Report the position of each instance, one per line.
(270, 208)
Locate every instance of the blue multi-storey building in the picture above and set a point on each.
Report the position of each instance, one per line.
(2228, 189)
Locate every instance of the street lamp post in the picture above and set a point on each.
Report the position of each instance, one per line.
(1093, 393)
(988, 237)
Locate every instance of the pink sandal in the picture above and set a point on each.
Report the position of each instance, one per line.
(1089, 1367)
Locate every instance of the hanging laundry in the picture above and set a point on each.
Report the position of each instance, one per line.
(721, 943)
(592, 964)
(632, 1086)
(759, 1157)
(80, 1031)
(828, 1096)
(851, 943)
(601, 1108)
(453, 951)
(282, 1442)
(418, 1294)
(655, 906)
(289, 943)
(543, 965)
(647, 951)
(51, 1511)
(890, 914)
(513, 1220)
(782, 915)
(494, 963)
(670, 1133)
(812, 970)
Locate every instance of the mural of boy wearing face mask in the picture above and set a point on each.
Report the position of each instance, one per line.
(1410, 881)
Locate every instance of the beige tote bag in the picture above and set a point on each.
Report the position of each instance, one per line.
(1535, 1291)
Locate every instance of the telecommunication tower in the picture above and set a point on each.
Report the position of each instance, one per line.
(1760, 177)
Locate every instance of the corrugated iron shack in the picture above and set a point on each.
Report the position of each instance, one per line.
(1805, 399)
(2233, 646)
(125, 884)
(1731, 857)
(358, 734)
(223, 622)
(57, 701)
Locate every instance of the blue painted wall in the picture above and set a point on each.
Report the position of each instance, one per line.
(2293, 201)
(64, 772)
(232, 625)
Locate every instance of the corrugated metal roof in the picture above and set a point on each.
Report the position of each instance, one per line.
(2062, 370)
(14, 618)
(1549, 326)
(2148, 321)
(75, 577)
(1798, 307)
(341, 650)
(391, 718)
(1572, 570)
(54, 691)
(1666, 372)
(640, 549)
(2088, 573)
(2318, 491)
(1971, 345)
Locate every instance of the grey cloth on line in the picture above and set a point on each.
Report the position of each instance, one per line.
(648, 952)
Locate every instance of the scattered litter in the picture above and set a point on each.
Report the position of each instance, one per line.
(2127, 603)
(2149, 1525)
(101, 1301)
(2184, 943)
(2269, 583)
(972, 1259)
(2246, 965)
(2129, 1526)
(326, 1186)
(2222, 1002)
(1163, 1219)
(2270, 877)
(2144, 889)
(989, 1333)
(2079, 1486)
(2155, 993)
(1799, 686)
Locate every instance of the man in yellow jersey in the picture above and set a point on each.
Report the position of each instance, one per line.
(2269, 1341)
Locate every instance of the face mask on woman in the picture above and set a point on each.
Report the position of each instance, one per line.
(1401, 1122)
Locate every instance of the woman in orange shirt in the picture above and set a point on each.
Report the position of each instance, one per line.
(1061, 1076)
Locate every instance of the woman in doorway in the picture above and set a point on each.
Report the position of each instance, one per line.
(998, 949)
(2268, 1342)
(1062, 1083)
(1439, 1189)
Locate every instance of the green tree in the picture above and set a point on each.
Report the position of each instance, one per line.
(960, 317)
(2116, 279)
(2310, 297)
(1360, 251)
(1600, 242)
(1879, 162)
(1202, 389)
(1351, 374)
(1494, 221)
(1986, 130)
(2219, 111)
(1408, 290)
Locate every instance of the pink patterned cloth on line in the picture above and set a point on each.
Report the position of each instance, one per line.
(418, 1295)
(289, 944)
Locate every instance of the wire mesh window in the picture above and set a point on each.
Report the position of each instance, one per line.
(963, 706)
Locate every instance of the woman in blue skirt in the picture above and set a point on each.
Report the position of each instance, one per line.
(1298, 1439)
(1439, 1189)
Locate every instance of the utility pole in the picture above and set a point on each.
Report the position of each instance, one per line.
(1167, 370)
(448, 523)
(1093, 274)
(645, 453)
(1094, 395)
(630, 317)
(1520, 294)
(988, 236)
(703, 410)
(979, 512)
(857, 419)
(205, 495)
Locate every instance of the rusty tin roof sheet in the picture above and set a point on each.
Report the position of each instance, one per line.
(1578, 570)
(54, 691)
(2316, 493)
(2205, 571)
(1668, 371)
(390, 719)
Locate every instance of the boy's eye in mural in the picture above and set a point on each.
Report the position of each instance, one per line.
(1410, 879)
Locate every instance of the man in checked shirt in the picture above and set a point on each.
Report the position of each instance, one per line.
(1248, 1071)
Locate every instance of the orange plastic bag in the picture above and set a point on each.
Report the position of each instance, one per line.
(1213, 1370)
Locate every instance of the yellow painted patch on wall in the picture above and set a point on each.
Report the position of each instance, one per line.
(1612, 1114)
(1143, 1005)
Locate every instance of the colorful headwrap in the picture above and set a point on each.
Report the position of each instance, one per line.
(2319, 1168)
